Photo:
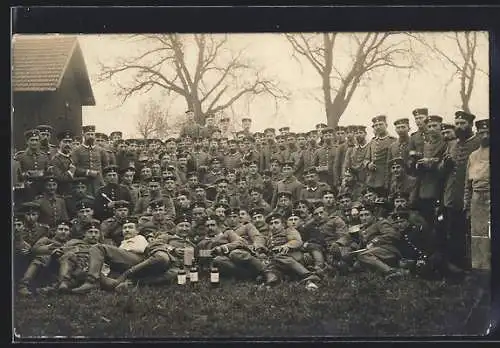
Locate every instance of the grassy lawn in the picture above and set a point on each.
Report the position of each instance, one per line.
(353, 305)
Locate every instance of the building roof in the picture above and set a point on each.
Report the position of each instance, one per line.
(41, 61)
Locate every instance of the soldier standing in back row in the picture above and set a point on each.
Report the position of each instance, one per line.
(89, 160)
(376, 155)
(417, 138)
(62, 165)
(324, 157)
(400, 147)
(455, 218)
(355, 156)
(45, 145)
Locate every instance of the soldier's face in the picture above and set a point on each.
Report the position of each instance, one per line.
(214, 144)
(19, 226)
(400, 224)
(293, 221)
(397, 170)
(170, 185)
(34, 142)
(223, 200)
(433, 127)
(244, 217)
(256, 196)
(121, 213)
(129, 230)
(232, 219)
(80, 188)
(340, 134)
(222, 187)
(128, 177)
(348, 177)
(146, 172)
(345, 202)
(216, 135)
(448, 134)
(85, 214)
(280, 141)
(252, 169)
(65, 145)
(400, 203)
(246, 124)
(360, 135)
(62, 233)
(183, 228)
(89, 137)
(365, 217)
(51, 187)
(402, 129)
(156, 169)
(111, 178)
(379, 127)
(258, 219)
(284, 201)
(242, 185)
(200, 193)
(269, 137)
(193, 180)
(170, 146)
(132, 147)
(484, 136)
(199, 214)
(420, 120)
(233, 146)
(223, 143)
(158, 212)
(32, 217)
(276, 225)
(287, 171)
(328, 200)
(220, 212)
(183, 201)
(211, 226)
(182, 162)
(311, 178)
(302, 208)
(301, 141)
(275, 167)
(91, 236)
(44, 135)
(231, 177)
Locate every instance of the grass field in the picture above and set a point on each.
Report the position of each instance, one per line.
(353, 305)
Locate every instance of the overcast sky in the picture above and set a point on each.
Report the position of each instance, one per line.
(393, 93)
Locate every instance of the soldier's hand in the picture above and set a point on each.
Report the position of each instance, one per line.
(305, 245)
(217, 250)
(284, 249)
(369, 246)
(93, 173)
(24, 251)
(110, 205)
(57, 252)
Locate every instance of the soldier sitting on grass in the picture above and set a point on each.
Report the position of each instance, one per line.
(41, 252)
(283, 254)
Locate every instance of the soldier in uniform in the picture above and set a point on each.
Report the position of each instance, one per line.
(191, 127)
(256, 200)
(214, 173)
(111, 228)
(33, 163)
(254, 179)
(342, 145)
(110, 193)
(246, 124)
(355, 157)
(303, 157)
(283, 245)
(79, 193)
(351, 184)
(288, 183)
(377, 153)
(417, 138)
(154, 188)
(455, 218)
(45, 132)
(477, 197)
(324, 157)
(115, 136)
(400, 181)
(127, 179)
(84, 215)
(429, 176)
(52, 206)
(313, 189)
(448, 132)
(258, 216)
(89, 160)
(163, 221)
(400, 147)
(124, 156)
(32, 230)
(61, 164)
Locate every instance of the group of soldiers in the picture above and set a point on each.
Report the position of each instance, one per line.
(105, 212)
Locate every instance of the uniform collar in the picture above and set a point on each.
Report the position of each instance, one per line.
(382, 138)
(63, 154)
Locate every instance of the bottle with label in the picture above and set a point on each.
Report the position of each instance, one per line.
(193, 275)
(188, 256)
(214, 277)
(181, 277)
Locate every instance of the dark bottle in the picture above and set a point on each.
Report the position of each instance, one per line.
(214, 277)
(193, 275)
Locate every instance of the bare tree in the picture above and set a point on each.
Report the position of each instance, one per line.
(153, 121)
(201, 68)
(369, 52)
(462, 58)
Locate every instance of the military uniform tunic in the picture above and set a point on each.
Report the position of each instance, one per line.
(52, 210)
(377, 153)
(60, 165)
(30, 160)
(90, 158)
(114, 193)
(355, 159)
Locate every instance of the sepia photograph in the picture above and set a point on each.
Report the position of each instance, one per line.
(259, 185)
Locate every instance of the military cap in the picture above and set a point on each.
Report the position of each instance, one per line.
(402, 121)
(327, 130)
(344, 195)
(18, 216)
(121, 204)
(351, 128)
(110, 169)
(94, 224)
(233, 211)
(284, 129)
(258, 134)
(84, 204)
(445, 126)
(340, 128)
(154, 179)
(67, 134)
(434, 118)
(267, 172)
(290, 164)
(182, 193)
(65, 222)
(483, 125)
(116, 133)
(198, 205)
(29, 207)
(401, 195)
(257, 211)
(225, 119)
(420, 111)
(221, 205)
(44, 128)
(189, 110)
(280, 136)
(171, 168)
(361, 128)
(285, 194)
(321, 126)
(246, 119)
(170, 140)
(232, 141)
(157, 203)
(220, 180)
(192, 174)
(269, 130)
(397, 160)
(350, 171)
(275, 160)
(379, 118)
(101, 136)
(209, 115)
(380, 201)
(313, 132)
(214, 160)
(131, 142)
(80, 180)
(255, 189)
(130, 220)
(182, 218)
(462, 115)
(311, 170)
(182, 155)
(302, 201)
(291, 135)
(328, 191)
(200, 185)
(120, 141)
(31, 133)
(399, 215)
(87, 129)
(129, 168)
(274, 216)
(49, 178)
(147, 227)
(170, 177)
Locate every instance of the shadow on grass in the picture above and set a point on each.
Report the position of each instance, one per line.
(354, 305)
